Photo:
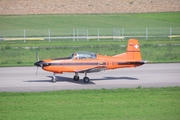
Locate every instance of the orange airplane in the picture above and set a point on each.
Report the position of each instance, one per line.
(88, 62)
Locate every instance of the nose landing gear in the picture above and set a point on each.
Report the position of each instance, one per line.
(54, 79)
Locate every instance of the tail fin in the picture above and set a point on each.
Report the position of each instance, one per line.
(132, 52)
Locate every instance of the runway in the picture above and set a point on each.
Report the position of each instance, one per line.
(24, 79)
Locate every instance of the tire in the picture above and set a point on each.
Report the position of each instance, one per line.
(86, 79)
(76, 78)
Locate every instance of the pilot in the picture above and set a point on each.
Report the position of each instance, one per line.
(75, 56)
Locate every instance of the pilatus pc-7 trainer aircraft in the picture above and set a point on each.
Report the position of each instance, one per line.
(88, 62)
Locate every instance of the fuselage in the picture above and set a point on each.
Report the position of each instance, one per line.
(74, 64)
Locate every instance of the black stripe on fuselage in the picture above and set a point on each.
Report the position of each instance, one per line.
(77, 64)
(92, 63)
(135, 63)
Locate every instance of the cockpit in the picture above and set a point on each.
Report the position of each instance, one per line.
(83, 55)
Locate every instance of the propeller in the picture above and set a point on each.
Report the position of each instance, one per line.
(37, 59)
(36, 70)
(40, 63)
(37, 56)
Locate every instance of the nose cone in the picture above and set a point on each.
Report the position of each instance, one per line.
(39, 64)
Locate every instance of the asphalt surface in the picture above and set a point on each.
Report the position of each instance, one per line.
(24, 79)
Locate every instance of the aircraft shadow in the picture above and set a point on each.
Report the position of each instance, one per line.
(68, 79)
(62, 79)
(116, 78)
(38, 81)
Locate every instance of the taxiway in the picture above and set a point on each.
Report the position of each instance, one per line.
(24, 79)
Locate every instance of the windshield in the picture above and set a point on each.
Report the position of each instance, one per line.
(84, 55)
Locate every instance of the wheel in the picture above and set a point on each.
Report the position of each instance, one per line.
(76, 78)
(86, 79)
(54, 79)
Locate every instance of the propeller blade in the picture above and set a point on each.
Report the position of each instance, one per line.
(37, 59)
(37, 71)
(37, 56)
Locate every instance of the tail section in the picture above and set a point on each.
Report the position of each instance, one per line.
(132, 52)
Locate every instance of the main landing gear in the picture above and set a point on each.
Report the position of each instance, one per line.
(85, 79)
(76, 78)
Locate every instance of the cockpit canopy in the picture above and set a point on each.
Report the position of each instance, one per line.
(83, 55)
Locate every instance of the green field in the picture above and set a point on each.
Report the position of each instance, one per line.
(158, 24)
(125, 104)
(154, 49)
(151, 51)
(36, 22)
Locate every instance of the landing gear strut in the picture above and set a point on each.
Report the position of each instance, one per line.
(86, 79)
(54, 79)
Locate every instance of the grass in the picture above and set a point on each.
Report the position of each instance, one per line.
(38, 22)
(150, 50)
(38, 25)
(66, 43)
(158, 24)
(136, 103)
(166, 17)
(10, 56)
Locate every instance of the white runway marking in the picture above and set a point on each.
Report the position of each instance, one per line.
(24, 79)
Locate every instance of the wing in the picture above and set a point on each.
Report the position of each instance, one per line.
(92, 69)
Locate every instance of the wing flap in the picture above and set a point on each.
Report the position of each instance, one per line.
(92, 69)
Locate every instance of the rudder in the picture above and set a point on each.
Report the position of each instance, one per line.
(133, 50)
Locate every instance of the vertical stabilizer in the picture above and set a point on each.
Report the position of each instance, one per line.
(133, 50)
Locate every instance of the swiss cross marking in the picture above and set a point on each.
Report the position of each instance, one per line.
(136, 46)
